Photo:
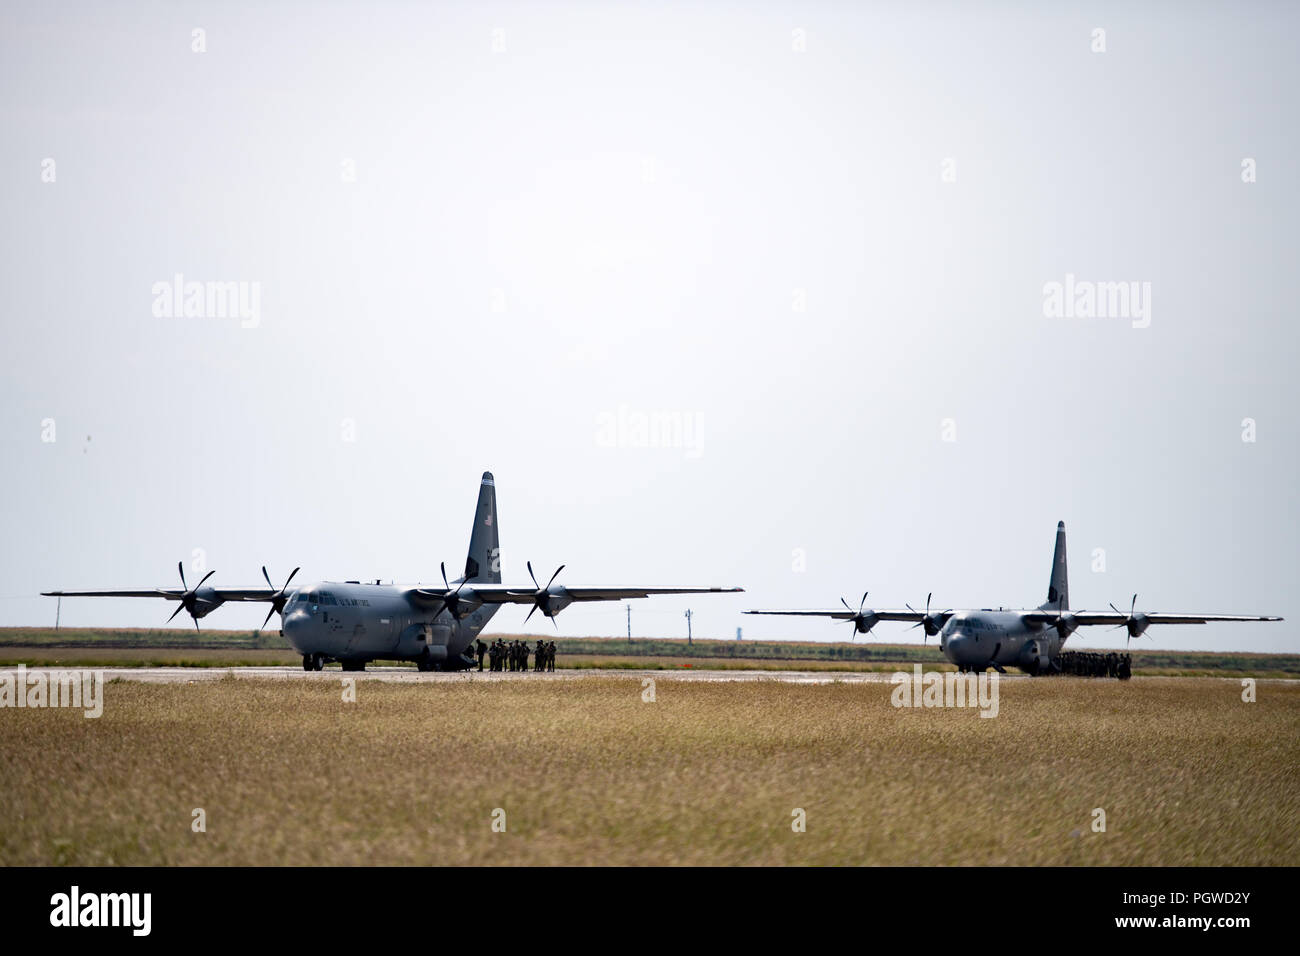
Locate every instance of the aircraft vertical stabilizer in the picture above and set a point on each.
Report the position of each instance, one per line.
(484, 561)
(1058, 591)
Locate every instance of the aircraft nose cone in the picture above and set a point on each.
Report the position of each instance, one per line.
(294, 627)
(959, 649)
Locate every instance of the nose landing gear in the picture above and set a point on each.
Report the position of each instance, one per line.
(313, 662)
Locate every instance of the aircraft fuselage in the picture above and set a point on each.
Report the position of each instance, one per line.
(363, 622)
(987, 638)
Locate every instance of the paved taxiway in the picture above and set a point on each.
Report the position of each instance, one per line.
(189, 675)
(407, 675)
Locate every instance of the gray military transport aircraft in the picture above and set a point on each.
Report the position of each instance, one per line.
(1031, 640)
(354, 623)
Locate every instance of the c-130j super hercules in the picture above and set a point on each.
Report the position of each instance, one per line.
(1032, 639)
(354, 623)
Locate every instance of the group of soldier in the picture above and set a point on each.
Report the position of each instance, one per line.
(513, 656)
(1091, 664)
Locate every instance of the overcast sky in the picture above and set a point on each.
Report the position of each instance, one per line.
(817, 238)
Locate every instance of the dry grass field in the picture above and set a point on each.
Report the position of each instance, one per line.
(709, 773)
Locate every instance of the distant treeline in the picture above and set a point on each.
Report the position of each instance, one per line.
(141, 637)
(748, 650)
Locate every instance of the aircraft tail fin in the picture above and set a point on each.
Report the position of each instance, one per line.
(1058, 590)
(484, 561)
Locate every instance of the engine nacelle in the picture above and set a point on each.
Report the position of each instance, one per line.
(863, 623)
(461, 604)
(1065, 625)
(204, 603)
(1137, 624)
(554, 601)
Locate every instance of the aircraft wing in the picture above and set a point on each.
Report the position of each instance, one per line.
(843, 614)
(1152, 617)
(174, 594)
(620, 594)
(504, 594)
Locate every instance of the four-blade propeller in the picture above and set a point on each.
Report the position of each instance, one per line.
(279, 599)
(933, 623)
(1065, 624)
(862, 619)
(451, 599)
(189, 600)
(1136, 622)
(542, 594)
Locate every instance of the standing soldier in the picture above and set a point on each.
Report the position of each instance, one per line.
(550, 657)
(482, 649)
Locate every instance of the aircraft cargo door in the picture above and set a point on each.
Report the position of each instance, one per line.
(357, 640)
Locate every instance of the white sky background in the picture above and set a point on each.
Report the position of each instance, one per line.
(647, 186)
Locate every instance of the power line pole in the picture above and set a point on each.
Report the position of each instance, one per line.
(688, 627)
(629, 624)
(58, 610)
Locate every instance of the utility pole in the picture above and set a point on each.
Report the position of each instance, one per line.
(629, 624)
(688, 627)
(58, 610)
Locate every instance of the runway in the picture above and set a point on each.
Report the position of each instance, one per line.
(407, 675)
